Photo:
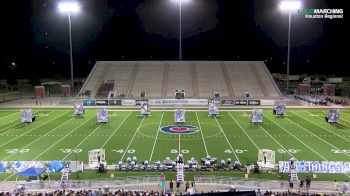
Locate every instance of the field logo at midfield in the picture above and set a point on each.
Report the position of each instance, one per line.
(181, 129)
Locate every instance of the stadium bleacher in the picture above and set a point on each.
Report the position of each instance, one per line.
(104, 89)
(210, 78)
(199, 79)
(179, 76)
(147, 78)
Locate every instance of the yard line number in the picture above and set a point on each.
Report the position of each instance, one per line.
(130, 151)
(42, 115)
(337, 151)
(69, 150)
(292, 151)
(15, 150)
(176, 151)
(237, 151)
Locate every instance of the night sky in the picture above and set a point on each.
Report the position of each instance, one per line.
(35, 35)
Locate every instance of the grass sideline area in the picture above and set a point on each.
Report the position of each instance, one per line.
(58, 135)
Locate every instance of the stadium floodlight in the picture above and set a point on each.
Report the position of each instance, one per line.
(69, 8)
(289, 5)
(180, 2)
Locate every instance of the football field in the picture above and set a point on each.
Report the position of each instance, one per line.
(58, 135)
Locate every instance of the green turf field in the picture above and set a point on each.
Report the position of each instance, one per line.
(58, 135)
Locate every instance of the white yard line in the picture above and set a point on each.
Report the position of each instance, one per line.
(296, 138)
(155, 140)
(179, 143)
(115, 130)
(66, 135)
(82, 141)
(274, 139)
(31, 130)
(340, 119)
(187, 110)
(137, 130)
(9, 177)
(16, 126)
(8, 122)
(199, 124)
(345, 113)
(244, 131)
(39, 138)
(9, 115)
(316, 136)
(321, 127)
(345, 120)
(234, 152)
(49, 147)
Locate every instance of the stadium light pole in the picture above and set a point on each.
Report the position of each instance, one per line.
(70, 7)
(180, 25)
(289, 6)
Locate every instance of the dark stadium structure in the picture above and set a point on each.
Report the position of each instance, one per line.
(199, 79)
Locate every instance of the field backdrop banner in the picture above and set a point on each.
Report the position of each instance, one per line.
(115, 102)
(89, 102)
(101, 102)
(174, 102)
(316, 167)
(51, 166)
(228, 102)
(254, 102)
(178, 101)
(128, 102)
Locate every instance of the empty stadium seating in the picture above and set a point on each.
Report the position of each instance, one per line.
(148, 78)
(199, 79)
(210, 78)
(179, 76)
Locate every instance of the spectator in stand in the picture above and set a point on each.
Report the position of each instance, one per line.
(291, 184)
(308, 183)
(301, 185)
(236, 165)
(258, 192)
(171, 185)
(335, 185)
(345, 187)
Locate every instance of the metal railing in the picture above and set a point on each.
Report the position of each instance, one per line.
(226, 182)
(125, 183)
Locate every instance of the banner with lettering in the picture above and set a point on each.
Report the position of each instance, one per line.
(316, 167)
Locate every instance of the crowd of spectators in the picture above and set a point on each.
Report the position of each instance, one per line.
(319, 100)
(101, 192)
(121, 95)
(105, 88)
(337, 101)
(338, 189)
(86, 93)
(288, 193)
